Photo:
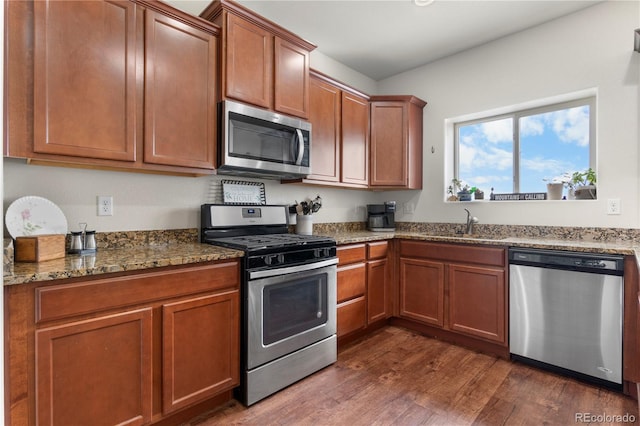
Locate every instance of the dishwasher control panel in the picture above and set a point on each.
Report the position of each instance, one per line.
(557, 259)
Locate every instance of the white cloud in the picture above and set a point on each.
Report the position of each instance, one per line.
(498, 130)
(472, 157)
(548, 166)
(572, 125)
(531, 126)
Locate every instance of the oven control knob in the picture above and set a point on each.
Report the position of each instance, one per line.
(269, 259)
(316, 253)
(280, 258)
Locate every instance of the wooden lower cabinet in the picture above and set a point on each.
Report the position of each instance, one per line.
(477, 301)
(352, 316)
(199, 361)
(96, 371)
(129, 349)
(438, 290)
(363, 286)
(377, 290)
(422, 291)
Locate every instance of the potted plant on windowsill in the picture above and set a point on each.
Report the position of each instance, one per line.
(554, 188)
(478, 194)
(584, 184)
(464, 194)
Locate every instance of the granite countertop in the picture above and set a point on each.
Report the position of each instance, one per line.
(154, 255)
(594, 246)
(111, 260)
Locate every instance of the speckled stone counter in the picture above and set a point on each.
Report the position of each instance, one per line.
(110, 260)
(594, 240)
(138, 250)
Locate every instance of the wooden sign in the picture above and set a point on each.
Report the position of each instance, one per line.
(519, 196)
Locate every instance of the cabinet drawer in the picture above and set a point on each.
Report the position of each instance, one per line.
(377, 250)
(453, 252)
(351, 316)
(68, 300)
(351, 254)
(351, 281)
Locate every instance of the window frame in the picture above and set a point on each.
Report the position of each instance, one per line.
(515, 115)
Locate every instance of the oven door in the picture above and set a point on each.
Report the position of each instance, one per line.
(289, 308)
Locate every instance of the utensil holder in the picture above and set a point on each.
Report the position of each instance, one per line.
(304, 224)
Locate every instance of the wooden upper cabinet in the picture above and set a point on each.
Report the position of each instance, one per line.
(355, 139)
(249, 62)
(396, 142)
(85, 78)
(262, 63)
(180, 96)
(324, 114)
(339, 134)
(126, 85)
(291, 78)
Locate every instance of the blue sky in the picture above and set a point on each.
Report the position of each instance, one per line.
(551, 144)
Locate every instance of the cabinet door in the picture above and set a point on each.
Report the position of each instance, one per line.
(351, 316)
(85, 79)
(377, 291)
(291, 80)
(324, 114)
(95, 372)
(200, 349)
(351, 281)
(355, 139)
(180, 103)
(422, 291)
(477, 301)
(389, 140)
(249, 62)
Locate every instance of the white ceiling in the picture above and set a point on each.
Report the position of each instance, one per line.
(381, 38)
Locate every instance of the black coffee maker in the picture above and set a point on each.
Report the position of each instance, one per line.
(381, 217)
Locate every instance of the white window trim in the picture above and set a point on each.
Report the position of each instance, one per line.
(582, 97)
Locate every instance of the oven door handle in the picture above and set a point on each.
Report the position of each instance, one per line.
(266, 273)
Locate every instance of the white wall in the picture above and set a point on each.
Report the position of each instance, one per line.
(147, 202)
(342, 73)
(592, 48)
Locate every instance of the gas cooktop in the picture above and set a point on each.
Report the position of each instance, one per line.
(268, 241)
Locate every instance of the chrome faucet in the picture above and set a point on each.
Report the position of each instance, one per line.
(470, 221)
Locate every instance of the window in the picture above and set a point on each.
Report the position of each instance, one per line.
(520, 151)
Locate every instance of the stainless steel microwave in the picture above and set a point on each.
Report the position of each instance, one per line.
(260, 143)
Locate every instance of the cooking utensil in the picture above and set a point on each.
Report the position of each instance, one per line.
(316, 204)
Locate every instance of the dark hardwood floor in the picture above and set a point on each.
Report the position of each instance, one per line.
(397, 377)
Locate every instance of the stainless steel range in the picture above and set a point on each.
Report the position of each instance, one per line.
(288, 292)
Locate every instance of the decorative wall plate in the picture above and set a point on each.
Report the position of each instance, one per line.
(33, 215)
(243, 193)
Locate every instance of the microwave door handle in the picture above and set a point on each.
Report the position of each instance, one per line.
(300, 147)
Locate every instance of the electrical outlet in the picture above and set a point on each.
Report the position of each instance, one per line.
(105, 205)
(408, 208)
(613, 206)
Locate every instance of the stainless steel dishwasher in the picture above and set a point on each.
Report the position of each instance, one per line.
(565, 312)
